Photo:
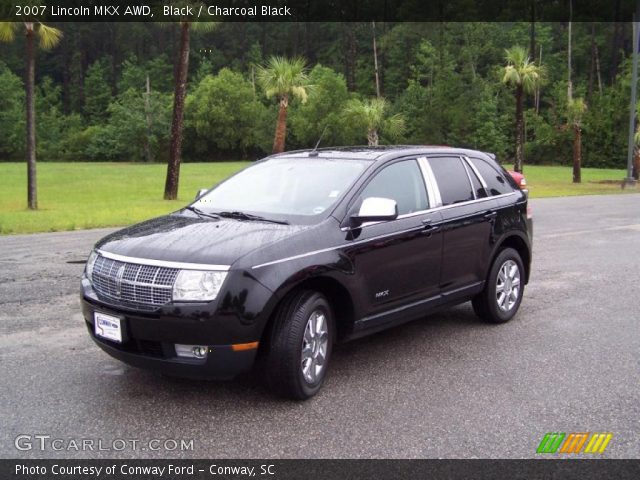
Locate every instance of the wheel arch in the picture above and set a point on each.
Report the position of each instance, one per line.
(520, 245)
(336, 293)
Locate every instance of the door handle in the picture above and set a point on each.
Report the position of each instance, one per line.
(428, 227)
(491, 215)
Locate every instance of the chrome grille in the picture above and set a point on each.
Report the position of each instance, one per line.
(133, 284)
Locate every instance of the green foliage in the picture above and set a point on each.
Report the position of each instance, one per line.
(283, 78)
(134, 74)
(520, 71)
(576, 108)
(323, 109)
(488, 131)
(547, 143)
(12, 118)
(438, 101)
(372, 118)
(97, 91)
(413, 103)
(205, 68)
(253, 58)
(48, 37)
(224, 114)
(136, 126)
(445, 79)
(55, 131)
(398, 48)
(606, 123)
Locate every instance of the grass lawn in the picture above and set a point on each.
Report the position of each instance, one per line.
(75, 196)
(88, 195)
(557, 181)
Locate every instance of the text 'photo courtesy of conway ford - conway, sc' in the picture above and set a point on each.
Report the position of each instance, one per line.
(304, 249)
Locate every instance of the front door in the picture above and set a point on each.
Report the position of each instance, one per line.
(397, 263)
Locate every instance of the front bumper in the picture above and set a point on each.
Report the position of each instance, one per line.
(222, 363)
(149, 338)
(138, 350)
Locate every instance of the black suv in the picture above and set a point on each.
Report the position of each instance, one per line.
(304, 249)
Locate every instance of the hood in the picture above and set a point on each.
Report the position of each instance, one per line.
(178, 238)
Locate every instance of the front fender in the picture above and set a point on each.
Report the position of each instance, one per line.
(284, 276)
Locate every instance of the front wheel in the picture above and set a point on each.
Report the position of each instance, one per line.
(502, 294)
(301, 345)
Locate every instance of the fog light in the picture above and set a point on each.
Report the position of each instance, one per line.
(200, 352)
(192, 351)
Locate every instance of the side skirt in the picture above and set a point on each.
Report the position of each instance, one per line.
(412, 311)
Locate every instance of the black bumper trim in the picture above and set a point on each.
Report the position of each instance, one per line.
(222, 363)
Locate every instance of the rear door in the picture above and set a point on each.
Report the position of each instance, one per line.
(468, 216)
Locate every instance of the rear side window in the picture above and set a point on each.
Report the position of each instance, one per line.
(401, 182)
(452, 179)
(496, 183)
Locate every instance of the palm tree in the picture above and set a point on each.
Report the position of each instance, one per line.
(373, 114)
(524, 77)
(284, 79)
(180, 91)
(48, 38)
(575, 112)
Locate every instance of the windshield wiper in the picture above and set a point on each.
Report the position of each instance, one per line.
(202, 213)
(248, 216)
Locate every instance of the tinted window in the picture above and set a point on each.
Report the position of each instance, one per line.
(452, 179)
(401, 182)
(496, 183)
(477, 186)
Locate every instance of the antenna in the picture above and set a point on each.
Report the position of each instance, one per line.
(314, 152)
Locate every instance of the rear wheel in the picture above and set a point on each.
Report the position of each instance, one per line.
(502, 294)
(301, 345)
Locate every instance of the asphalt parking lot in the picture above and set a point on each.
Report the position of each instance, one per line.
(444, 386)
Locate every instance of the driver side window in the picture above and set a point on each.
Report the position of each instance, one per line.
(402, 182)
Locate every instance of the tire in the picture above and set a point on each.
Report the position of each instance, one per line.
(500, 309)
(293, 371)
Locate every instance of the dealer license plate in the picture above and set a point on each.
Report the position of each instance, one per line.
(107, 326)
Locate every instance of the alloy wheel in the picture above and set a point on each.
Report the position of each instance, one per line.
(314, 346)
(508, 285)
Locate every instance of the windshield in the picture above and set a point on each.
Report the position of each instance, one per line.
(284, 188)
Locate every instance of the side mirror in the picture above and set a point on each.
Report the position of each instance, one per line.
(375, 209)
(201, 192)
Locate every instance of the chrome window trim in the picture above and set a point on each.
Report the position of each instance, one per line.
(477, 172)
(466, 169)
(429, 179)
(432, 181)
(324, 250)
(163, 263)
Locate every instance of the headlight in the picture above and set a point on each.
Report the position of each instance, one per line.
(93, 256)
(197, 285)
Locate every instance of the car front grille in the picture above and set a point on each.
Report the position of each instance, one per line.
(132, 284)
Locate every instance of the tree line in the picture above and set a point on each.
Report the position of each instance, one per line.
(530, 92)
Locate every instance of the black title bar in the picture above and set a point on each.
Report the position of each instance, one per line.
(317, 10)
(318, 469)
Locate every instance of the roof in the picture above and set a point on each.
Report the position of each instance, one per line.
(376, 153)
